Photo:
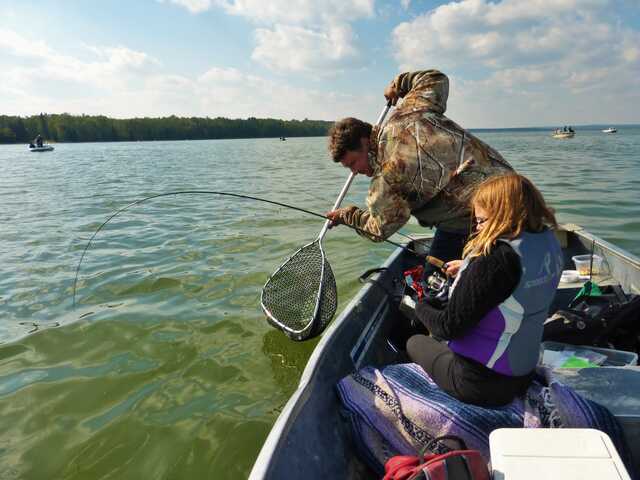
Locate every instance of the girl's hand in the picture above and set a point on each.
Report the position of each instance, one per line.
(452, 267)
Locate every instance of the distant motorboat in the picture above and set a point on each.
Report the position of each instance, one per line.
(563, 134)
(44, 148)
(610, 130)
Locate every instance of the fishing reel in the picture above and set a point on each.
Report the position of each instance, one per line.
(433, 289)
(437, 291)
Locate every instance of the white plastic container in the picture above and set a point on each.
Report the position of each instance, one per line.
(615, 358)
(554, 453)
(584, 266)
(569, 276)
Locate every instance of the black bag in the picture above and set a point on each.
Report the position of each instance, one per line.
(610, 321)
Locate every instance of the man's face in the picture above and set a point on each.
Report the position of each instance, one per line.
(358, 160)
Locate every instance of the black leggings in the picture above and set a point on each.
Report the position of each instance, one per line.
(462, 378)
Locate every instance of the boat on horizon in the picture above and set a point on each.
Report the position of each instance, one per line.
(564, 133)
(44, 148)
(312, 440)
(610, 130)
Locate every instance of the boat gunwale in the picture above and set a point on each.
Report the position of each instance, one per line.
(614, 250)
(282, 424)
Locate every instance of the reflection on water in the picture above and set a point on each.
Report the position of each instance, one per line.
(288, 359)
(167, 369)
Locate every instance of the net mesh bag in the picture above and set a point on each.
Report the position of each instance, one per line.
(301, 297)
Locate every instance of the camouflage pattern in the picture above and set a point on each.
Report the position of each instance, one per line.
(424, 164)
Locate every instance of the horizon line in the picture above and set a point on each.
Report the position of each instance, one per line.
(529, 127)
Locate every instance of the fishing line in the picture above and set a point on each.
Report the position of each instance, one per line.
(212, 192)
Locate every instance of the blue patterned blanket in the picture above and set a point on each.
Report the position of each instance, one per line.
(398, 410)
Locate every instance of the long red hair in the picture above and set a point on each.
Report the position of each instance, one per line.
(516, 205)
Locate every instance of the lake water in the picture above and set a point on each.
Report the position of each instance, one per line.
(167, 368)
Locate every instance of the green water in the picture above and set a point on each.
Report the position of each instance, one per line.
(167, 368)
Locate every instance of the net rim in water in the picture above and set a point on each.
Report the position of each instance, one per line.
(314, 326)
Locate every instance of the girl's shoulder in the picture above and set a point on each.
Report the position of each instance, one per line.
(501, 258)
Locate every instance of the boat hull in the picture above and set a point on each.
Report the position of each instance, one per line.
(44, 148)
(310, 438)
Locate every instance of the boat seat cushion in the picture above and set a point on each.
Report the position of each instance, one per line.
(399, 409)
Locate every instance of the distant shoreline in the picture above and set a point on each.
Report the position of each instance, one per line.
(65, 128)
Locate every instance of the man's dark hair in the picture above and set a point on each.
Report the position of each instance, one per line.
(345, 135)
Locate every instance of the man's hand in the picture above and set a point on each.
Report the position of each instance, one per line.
(391, 93)
(452, 267)
(340, 216)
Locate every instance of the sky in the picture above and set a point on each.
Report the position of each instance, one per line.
(511, 63)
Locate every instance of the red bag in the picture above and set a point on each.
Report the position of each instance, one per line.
(414, 280)
(461, 464)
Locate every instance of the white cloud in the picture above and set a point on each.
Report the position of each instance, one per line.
(545, 95)
(14, 44)
(234, 93)
(299, 49)
(299, 11)
(509, 11)
(304, 35)
(298, 35)
(194, 6)
(36, 63)
(121, 82)
(504, 33)
(552, 53)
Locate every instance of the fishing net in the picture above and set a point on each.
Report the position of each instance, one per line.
(301, 297)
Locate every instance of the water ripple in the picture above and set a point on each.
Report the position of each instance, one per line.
(167, 368)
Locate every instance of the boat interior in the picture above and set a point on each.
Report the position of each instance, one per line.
(311, 438)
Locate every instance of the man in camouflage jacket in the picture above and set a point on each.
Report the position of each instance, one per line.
(421, 163)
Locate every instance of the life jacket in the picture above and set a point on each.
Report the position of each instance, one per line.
(507, 339)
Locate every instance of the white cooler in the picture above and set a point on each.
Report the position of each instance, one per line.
(554, 453)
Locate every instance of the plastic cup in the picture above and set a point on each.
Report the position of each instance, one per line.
(569, 276)
(584, 266)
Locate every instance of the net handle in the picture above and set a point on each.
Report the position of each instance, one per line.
(343, 192)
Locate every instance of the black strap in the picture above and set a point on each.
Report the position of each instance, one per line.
(365, 276)
(457, 468)
(429, 447)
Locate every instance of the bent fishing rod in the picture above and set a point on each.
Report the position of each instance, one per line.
(236, 195)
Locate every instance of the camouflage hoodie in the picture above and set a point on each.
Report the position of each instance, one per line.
(424, 164)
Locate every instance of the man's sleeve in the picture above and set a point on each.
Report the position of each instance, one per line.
(405, 82)
(427, 89)
(388, 211)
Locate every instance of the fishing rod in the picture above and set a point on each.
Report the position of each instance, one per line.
(227, 194)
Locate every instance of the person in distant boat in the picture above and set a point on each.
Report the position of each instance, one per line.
(499, 300)
(571, 130)
(38, 141)
(421, 164)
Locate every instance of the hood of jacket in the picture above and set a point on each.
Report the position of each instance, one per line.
(426, 90)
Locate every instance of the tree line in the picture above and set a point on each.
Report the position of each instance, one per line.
(91, 128)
